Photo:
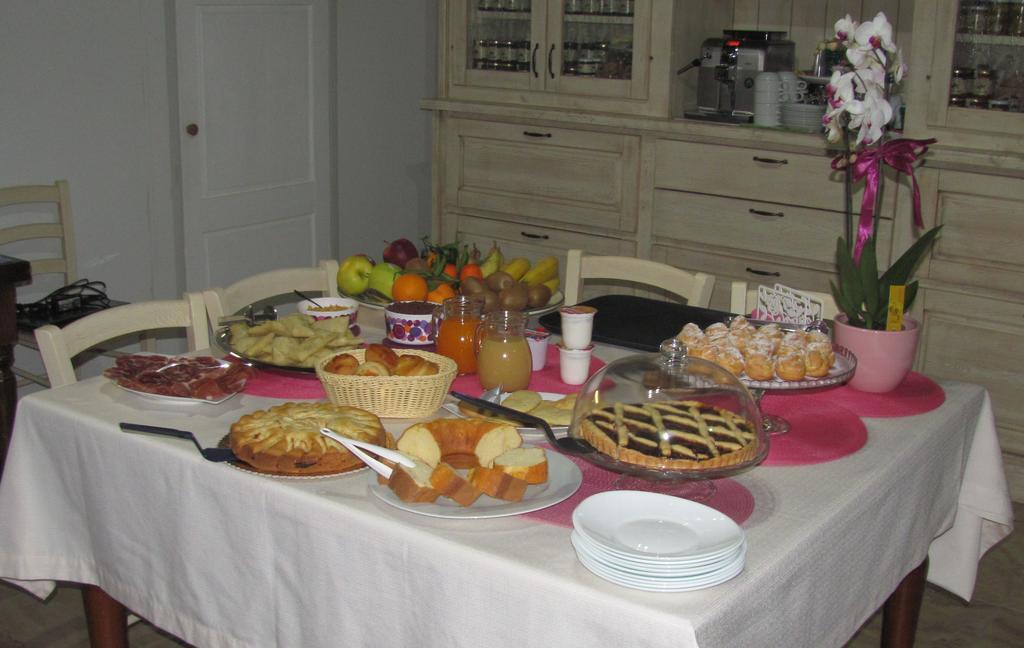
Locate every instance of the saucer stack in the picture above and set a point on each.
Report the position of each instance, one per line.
(766, 99)
(656, 542)
(803, 117)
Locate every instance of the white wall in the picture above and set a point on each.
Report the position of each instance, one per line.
(386, 64)
(87, 94)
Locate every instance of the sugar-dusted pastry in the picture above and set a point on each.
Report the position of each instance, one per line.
(818, 359)
(715, 332)
(740, 323)
(759, 365)
(790, 365)
(691, 334)
(797, 339)
(731, 359)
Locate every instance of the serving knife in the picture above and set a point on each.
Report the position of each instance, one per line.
(568, 444)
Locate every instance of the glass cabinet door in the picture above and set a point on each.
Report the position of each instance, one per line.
(495, 43)
(979, 82)
(593, 44)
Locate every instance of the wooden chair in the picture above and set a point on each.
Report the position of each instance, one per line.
(55, 254)
(59, 346)
(694, 287)
(744, 299)
(322, 280)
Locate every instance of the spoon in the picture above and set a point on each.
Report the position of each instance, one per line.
(307, 298)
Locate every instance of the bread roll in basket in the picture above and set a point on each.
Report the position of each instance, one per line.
(391, 396)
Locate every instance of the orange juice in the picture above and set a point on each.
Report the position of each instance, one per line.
(504, 360)
(456, 338)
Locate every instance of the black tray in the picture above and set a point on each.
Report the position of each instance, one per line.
(639, 322)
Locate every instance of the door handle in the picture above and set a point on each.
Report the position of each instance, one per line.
(533, 60)
(536, 134)
(551, 68)
(761, 212)
(764, 273)
(192, 130)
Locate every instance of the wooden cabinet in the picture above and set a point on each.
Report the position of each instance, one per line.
(753, 214)
(943, 43)
(609, 56)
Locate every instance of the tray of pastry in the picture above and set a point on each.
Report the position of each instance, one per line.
(293, 343)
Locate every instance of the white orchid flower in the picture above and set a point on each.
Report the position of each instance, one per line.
(876, 112)
(899, 66)
(870, 43)
(845, 29)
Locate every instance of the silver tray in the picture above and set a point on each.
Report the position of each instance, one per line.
(223, 340)
(846, 364)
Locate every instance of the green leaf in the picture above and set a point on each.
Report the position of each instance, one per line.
(849, 282)
(909, 295)
(868, 273)
(900, 271)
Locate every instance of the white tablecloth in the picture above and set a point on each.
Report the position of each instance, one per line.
(222, 557)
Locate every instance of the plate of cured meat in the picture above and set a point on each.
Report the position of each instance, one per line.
(182, 379)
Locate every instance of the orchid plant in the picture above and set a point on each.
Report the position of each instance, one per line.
(859, 112)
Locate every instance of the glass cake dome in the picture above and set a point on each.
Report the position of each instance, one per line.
(667, 416)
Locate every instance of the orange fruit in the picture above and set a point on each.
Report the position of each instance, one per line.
(451, 270)
(442, 292)
(409, 287)
(470, 270)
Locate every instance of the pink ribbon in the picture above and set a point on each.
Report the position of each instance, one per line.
(900, 154)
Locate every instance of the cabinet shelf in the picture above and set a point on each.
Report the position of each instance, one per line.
(991, 39)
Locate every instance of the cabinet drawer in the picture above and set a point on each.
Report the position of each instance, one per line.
(765, 228)
(982, 240)
(979, 340)
(558, 175)
(535, 242)
(769, 176)
(728, 268)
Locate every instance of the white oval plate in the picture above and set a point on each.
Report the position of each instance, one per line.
(690, 577)
(528, 433)
(655, 567)
(638, 523)
(179, 400)
(564, 479)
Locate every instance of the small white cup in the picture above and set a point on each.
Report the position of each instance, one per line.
(538, 341)
(577, 326)
(574, 364)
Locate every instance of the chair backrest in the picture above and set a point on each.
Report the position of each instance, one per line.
(744, 299)
(49, 262)
(695, 287)
(229, 300)
(58, 346)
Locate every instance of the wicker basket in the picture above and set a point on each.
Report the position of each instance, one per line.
(391, 396)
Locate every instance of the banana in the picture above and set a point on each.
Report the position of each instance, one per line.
(553, 284)
(517, 267)
(541, 271)
(492, 261)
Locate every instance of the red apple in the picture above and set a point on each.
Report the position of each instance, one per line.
(400, 251)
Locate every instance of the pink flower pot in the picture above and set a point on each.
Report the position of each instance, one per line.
(883, 357)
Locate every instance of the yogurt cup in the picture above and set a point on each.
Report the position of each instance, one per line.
(538, 341)
(574, 364)
(577, 326)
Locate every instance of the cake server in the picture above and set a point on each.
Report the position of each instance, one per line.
(567, 444)
(357, 447)
(210, 454)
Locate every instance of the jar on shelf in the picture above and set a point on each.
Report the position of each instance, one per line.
(962, 81)
(522, 48)
(570, 52)
(984, 82)
(976, 102)
(506, 52)
(1015, 19)
(973, 17)
(479, 53)
(958, 101)
(588, 66)
(492, 55)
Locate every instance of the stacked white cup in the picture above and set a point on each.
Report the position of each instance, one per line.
(792, 89)
(766, 99)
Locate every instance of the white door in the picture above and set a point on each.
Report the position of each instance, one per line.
(254, 86)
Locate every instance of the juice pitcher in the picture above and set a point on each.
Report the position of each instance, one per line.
(504, 355)
(456, 335)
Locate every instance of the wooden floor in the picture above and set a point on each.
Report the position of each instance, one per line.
(995, 618)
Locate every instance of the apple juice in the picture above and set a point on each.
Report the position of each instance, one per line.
(504, 358)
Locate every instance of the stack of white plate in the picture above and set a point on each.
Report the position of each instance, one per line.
(656, 542)
(803, 117)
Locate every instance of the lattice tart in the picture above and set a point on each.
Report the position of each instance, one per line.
(286, 439)
(673, 435)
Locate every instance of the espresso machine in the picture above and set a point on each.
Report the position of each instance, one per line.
(726, 70)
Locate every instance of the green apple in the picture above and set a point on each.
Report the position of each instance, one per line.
(383, 276)
(354, 274)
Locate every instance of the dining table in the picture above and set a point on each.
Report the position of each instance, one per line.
(221, 556)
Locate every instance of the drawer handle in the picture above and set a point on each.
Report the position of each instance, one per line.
(761, 212)
(535, 236)
(533, 60)
(764, 273)
(536, 134)
(770, 161)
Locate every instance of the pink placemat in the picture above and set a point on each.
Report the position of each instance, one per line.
(820, 431)
(730, 497)
(282, 384)
(547, 379)
(917, 394)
